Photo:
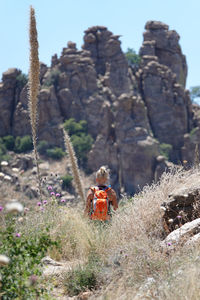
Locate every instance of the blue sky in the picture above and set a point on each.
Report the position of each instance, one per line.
(59, 21)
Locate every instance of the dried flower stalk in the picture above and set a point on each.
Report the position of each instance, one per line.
(34, 83)
(74, 166)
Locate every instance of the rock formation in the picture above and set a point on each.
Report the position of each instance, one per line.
(128, 113)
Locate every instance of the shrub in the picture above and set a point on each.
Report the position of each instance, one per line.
(55, 153)
(21, 80)
(67, 181)
(42, 147)
(133, 58)
(23, 144)
(81, 140)
(195, 93)
(80, 279)
(3, 151)
(82, 145)
(165, 150)
(20, 276)
(73, 127)
(9, 142)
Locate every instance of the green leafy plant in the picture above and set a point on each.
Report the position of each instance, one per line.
(84, 277)
(20, 278)
(55, 153)
(82, 144)
(9, 142)
(193, 131)
(75, 128)
(23, 144)
(67, 181)
(133, 58)
(21, 80)
(195, 93)
(42, 147)
(81, 140)
(3, 151)
(165, 150)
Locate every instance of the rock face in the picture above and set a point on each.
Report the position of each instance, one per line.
(162, 80)
(182, 207)
(163, 43)
(129, 113)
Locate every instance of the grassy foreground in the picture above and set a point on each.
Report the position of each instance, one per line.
(123, 259)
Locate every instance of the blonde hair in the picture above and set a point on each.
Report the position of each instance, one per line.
(103, 172)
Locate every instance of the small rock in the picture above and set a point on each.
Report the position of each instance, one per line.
(2, 175)
(15, 170)
(49, 261)
(8, 178)
(4, 163)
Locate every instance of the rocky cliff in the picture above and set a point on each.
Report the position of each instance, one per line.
(129, 113)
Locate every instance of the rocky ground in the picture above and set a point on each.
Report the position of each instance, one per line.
(18, 179)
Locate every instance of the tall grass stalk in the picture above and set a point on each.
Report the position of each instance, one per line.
(196, 156)
(74, 166)
(34, 88)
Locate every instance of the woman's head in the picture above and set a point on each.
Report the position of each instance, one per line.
(102, 175)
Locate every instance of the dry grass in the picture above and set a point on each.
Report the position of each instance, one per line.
(129, 247)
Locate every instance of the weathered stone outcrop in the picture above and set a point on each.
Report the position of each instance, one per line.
(9, 93)
(183, 206)
(161, 80)
(164, 44)
(108, 58)
(125, 110)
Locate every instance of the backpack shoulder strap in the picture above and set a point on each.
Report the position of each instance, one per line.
(107, 188)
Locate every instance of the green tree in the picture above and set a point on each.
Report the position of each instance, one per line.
(195, 93)
(21, 80)
(133, 58)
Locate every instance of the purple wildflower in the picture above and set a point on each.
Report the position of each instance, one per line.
(50, 188)
(39, 204)
(45, 202)
(52, 194)
(169, 244)
(18, 235)
(1, 208)
(42, 208)
(57, 195)
(179, 217)
(62, 200)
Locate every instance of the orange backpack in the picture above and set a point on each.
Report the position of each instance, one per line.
(100, 204)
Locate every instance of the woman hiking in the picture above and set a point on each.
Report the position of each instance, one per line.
(100, 197)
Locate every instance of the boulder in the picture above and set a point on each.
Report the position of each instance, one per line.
(182, 206)
(181, 234)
